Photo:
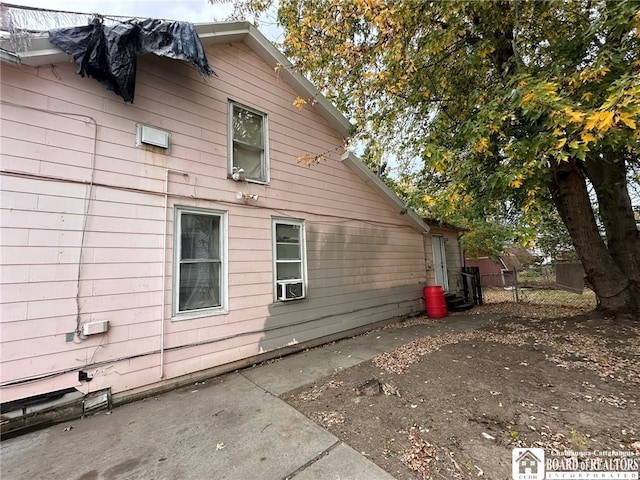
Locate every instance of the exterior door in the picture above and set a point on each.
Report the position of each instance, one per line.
(440, 262)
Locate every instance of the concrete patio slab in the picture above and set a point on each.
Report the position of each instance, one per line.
(232, 427)
(225, 429)
(343, 463)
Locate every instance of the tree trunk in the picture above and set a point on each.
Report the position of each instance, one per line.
(569, 190)
(608, 177)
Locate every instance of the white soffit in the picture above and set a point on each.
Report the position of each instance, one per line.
(212, 33)
(380, 187)
(42, 52)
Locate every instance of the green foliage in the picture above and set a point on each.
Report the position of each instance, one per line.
(486, 238)
(372, 157)
(553, 240)
(486, 94)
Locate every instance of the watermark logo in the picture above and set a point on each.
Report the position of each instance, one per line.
(528, 463)
(533, 464)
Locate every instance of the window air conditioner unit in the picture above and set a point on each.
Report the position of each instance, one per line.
(290, 290)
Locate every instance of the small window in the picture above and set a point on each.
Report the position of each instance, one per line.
(289, 259)
(248, 143)
(200, 263)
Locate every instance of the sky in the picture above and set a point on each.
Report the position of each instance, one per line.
(193, 11)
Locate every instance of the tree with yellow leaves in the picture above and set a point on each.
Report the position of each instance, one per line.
(512, 106)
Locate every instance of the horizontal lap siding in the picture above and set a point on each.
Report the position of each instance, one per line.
(364, 262)
(357, 275)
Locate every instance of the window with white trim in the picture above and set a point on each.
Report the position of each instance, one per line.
(290, 269)
(200, 263)
(248, 143)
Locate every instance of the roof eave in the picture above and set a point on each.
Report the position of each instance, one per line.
(42, 52)
(212, 33)
(380, 187)
(432, 222)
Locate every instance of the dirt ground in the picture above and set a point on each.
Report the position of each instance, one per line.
(455, 405)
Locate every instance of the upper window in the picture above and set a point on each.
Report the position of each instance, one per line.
(200, 266)
(248, 143)
(289, 259)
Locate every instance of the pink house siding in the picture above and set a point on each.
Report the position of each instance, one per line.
(83, 222)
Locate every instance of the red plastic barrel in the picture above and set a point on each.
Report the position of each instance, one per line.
(434, 301)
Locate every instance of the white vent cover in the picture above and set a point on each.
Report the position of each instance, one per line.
(93, 328)
(96, 401)
(146, 135)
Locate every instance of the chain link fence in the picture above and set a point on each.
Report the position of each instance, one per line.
(534, 288)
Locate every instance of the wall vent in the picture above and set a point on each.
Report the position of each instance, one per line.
(93, 328)
(146, 135)
(97, 401)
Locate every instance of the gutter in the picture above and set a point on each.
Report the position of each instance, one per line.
(42, 52)
(360, 169)
(245, 32)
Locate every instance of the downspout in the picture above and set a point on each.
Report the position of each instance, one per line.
(164, 263)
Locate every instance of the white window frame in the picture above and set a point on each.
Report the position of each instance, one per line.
(303, 256)
(177, 252)
(265, 139)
